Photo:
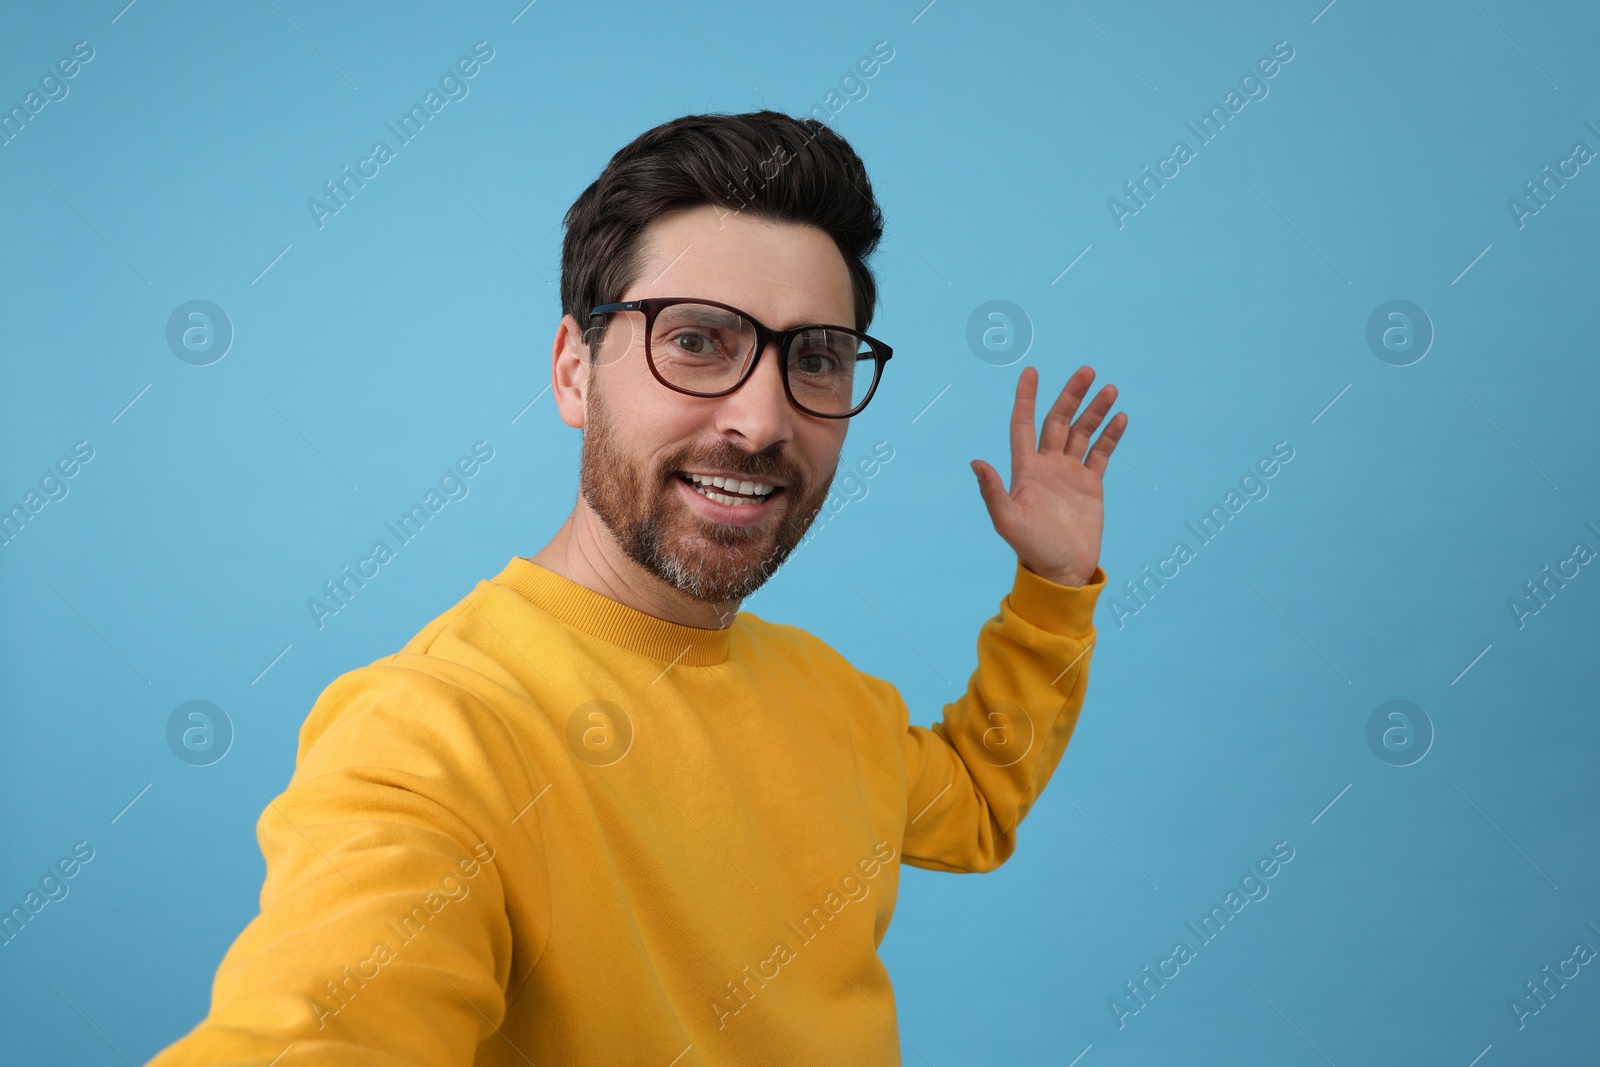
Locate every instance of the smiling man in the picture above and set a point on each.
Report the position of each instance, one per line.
(594, 813)
(688, 504)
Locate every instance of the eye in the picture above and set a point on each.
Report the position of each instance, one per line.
(696, 343)
(816, 362)
(822, 354)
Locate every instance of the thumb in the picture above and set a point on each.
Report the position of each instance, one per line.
(992, 488)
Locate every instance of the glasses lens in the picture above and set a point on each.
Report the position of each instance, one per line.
(830, 371)
(700, 347)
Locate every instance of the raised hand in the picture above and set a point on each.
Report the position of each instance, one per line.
(1054, 512)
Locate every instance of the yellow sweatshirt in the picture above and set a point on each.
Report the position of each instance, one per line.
(553, 829)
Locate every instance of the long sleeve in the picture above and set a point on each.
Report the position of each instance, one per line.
(972, 777)
(383, 936)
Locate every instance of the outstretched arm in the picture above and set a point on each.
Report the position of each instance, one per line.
(384, 936)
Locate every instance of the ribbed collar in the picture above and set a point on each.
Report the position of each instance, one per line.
(613, 621)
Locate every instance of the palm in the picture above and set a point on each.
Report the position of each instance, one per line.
(1054, 512)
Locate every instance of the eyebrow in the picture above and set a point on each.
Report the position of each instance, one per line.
(715, 316)
(705, 315)
(718, 317)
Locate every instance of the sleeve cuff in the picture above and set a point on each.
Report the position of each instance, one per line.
(1064, 609)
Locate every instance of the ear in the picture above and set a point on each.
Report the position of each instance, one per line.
(569, 372)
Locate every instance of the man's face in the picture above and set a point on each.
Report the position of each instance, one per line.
(641, 438)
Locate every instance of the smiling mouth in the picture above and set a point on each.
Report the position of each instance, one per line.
(726, 493)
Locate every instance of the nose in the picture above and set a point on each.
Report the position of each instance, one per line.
(759, 410)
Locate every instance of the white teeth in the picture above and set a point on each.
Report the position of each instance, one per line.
(732, 484)
(733, 501)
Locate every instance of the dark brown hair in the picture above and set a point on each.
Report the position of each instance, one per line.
(762, 163)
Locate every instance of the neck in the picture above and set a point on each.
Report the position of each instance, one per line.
(584, 551)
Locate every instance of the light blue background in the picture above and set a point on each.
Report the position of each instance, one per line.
(1230, 312)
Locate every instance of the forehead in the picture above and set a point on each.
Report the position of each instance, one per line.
(782, 273)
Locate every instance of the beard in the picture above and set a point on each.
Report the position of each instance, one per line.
(704, 560)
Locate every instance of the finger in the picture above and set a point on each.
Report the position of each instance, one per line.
(1100, 454)
(1022, 431)
(1058, 421)
(1083, 430)
(993, 490)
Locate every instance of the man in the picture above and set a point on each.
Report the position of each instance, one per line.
(592, 813)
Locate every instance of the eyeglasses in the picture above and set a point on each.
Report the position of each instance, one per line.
(707, 349)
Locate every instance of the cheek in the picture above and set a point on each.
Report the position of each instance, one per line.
(644, 429)
(821, 454)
